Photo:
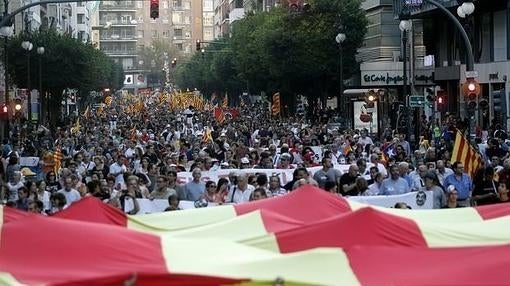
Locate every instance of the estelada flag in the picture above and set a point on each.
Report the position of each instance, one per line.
(465, 153)
(275, 110)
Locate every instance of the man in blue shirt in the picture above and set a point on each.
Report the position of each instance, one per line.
(462, 183)
(394, 185)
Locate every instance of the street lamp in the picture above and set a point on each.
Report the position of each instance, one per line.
(340, 38)
(28, 46)
(405, 26)
(40, 52)
(467, 8)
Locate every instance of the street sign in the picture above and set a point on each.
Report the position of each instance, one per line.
(416, 101)
(414, 2)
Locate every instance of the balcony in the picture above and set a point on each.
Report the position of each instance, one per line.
(120, 23)
(118, 38)
(122, 7)
(120, 53)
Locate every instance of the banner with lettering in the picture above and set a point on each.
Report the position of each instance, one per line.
(415, 200)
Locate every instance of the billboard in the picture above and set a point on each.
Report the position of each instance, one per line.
(365, 116)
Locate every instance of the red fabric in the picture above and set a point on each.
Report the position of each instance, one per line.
(91, 209)
(275, 222)
(12, 214)
(41, 249)
(363, 227)
(153, 280)
(306, 204)
(493, 211)
(400, 266)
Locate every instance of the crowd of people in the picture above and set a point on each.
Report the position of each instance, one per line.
(122, 156)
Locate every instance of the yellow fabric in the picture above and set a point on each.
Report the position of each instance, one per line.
(490, 232)
(219, 257)
(239, 228)
(8, 279)
(179, 220)
(459, 215)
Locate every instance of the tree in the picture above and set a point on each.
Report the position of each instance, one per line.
(285, 52)
(66, 63)
(153, 59)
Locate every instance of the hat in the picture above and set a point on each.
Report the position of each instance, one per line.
(450, 188)
(27, 172)
(245, 160)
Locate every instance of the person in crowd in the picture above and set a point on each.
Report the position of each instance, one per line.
(401, 205)
(361, 186)
(452, 198)
(485, 189)
(162, 191)
(58, 202)
(222, 191)
(327, 173)
(173, 203)
(195, 189)
(395, 184)
(442, 171)
(431, 183)
(258, 194)
(36, 207)
(23, 200)
(241, 192)
(71, 194)
(373, 189)
(462, 182)
(210, 194)
(14, 185)
(275, 189)
(348, 181)
(503, 192)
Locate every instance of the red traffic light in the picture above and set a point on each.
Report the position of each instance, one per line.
(154, 9)
(198, 45)
(471, 88)
(440, 100)
(4, 109)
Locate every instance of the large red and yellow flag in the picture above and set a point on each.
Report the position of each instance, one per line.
(353, 244)
(57, 158)
(465, 153)
(275, 109)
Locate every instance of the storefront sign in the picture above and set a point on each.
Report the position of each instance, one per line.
(392, 78)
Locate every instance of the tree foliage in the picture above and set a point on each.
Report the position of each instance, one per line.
(65, 63)
(153, 59)
(280, 51)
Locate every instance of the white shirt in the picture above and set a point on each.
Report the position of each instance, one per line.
(116, 168)
(380, 167)
(71, 196)
(235, 195)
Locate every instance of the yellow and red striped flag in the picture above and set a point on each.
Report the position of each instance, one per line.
(275, 110)
(57, 158)
(225, 101)
(465, 153)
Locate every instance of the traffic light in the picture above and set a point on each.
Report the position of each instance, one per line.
(471, 90)
(154, 11)
(4, 111)
(17, 107)
(499, 103)
(198, 46)
(442, 103)
(294, 5)
(174, 62)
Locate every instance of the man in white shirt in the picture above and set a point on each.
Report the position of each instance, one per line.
(118, 169)
(374, 162)
(241, 192)
(72, 195)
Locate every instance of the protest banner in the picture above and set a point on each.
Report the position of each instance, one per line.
(415, 200)
(285, 175)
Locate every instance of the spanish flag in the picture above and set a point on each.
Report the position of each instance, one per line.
(465, 153)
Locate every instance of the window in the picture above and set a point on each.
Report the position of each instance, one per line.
(139, 4)
(154, 33)
(177, 18)
(140, 33)
(81, 36)
(179, 47)
(166, 34)
(165, 4)
(208, 5)
(177, 4)
(208, 19)
(80, 19)
(208, 34)
(178, 33)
